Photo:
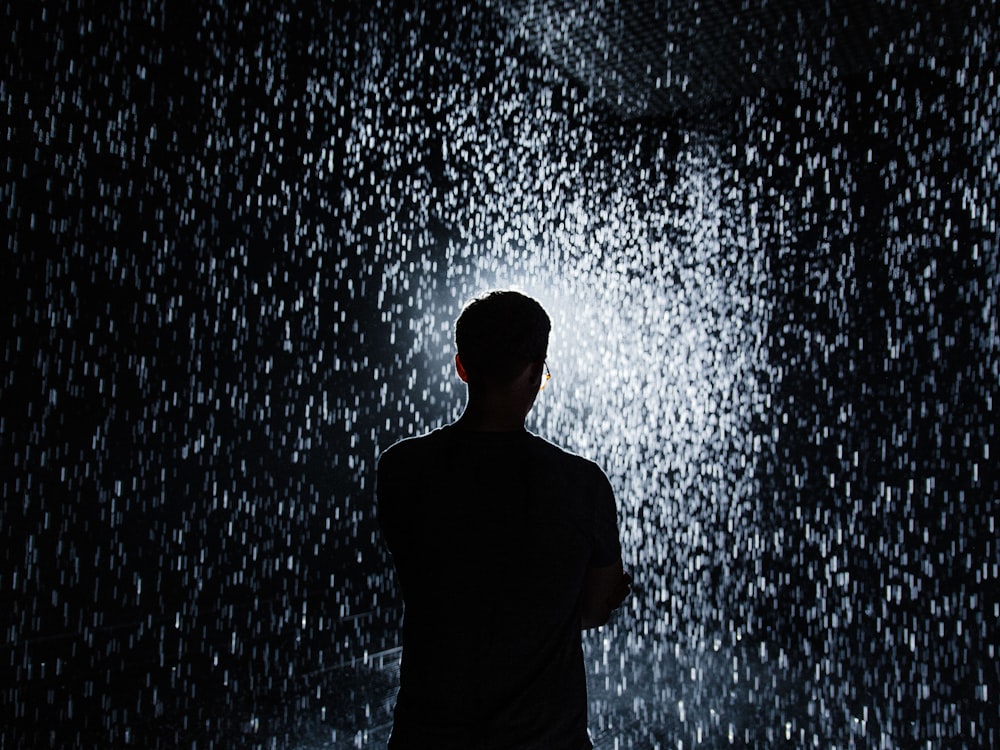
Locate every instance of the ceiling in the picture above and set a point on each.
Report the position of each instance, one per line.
(685, 59)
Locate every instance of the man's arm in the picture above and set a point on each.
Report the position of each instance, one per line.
(387, 504)
(604, 589)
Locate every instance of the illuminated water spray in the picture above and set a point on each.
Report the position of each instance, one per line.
(237, 246)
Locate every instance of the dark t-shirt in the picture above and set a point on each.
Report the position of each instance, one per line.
(491, 534)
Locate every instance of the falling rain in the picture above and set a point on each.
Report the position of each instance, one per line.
(236, 240)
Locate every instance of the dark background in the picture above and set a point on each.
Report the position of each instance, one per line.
(235, 242)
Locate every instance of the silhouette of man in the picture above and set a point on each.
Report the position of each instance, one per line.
(505, 547)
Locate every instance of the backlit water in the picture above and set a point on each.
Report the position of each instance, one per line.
(237, 238)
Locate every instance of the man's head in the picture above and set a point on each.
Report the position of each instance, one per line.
(498, 335)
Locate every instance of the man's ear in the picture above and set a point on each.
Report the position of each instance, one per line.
(461, 369)
(538, 372)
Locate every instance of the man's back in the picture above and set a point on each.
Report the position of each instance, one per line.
(492, 534)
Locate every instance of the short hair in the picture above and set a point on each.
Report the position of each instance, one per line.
(498, 334)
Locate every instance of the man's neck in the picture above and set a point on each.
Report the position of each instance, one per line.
(491, 414)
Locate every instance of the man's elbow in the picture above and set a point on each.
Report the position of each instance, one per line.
(597, 614)
(594, 619)
(605, 589)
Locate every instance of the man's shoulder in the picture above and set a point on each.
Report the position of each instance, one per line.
(564, 457)
(543, 446)
(412, 448)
